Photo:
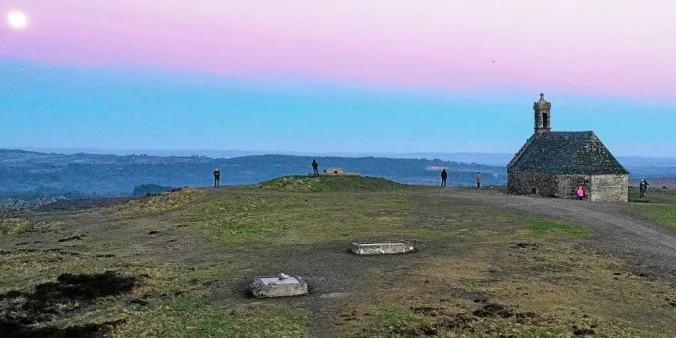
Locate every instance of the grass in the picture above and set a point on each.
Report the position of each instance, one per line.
(200, 317)
(194, 251)
(18, 226)
(442, 322)
(662, 215)
(179, 305)
(301, 219)
(248, 322)
(395, 321)
(544, 290)
(544, 227)
(27, 269)
(330, 183)
(578, 287)
(528, 226)
(654, 195)
(660, 207)
(13, 225)
(160, 204)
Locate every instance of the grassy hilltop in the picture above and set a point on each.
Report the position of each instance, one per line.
(330, 184)
(178, 264)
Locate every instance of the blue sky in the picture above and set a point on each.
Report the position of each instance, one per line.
(47, 106)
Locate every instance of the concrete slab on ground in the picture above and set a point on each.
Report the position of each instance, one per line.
(386, 248)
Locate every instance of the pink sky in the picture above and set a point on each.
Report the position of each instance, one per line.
(597, 47)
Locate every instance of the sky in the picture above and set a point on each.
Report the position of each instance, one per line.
(392, 76)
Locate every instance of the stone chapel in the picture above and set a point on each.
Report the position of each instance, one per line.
(554, 163)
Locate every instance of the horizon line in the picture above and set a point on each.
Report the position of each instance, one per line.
(263, 152)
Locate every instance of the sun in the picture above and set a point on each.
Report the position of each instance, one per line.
(17, 20)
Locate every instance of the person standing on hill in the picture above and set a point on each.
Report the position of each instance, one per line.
(217, 177)
(642, 187)
(444, 176)
(315, 167)
(478, 180)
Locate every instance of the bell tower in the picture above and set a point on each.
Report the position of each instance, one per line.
(542, 110)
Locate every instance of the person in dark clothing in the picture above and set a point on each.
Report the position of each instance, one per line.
(478, 180)
(217, 177)
(315, 167)
(444, 176)
(642, 187)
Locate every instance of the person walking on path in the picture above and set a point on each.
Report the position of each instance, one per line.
(478, 180)
(217, 177)
(642, 187)
(580, 192)
(444, 176)
(315, 167)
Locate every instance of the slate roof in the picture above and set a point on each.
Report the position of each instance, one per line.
(566, 153)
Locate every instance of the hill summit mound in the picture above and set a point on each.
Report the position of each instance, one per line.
(330, 183)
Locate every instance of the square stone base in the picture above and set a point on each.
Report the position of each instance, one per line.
(273, 286)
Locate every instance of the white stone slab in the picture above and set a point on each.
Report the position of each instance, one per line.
(277, 280)
(387, 248)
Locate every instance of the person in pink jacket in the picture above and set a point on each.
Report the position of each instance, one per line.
(580, 192)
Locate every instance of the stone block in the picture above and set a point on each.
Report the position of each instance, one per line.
(279, 286)
(381, 248)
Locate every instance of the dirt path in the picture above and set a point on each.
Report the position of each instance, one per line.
(650, 250)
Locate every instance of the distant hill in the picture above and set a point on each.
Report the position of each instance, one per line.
(636, 164)
(29, 173)
(32, 174)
